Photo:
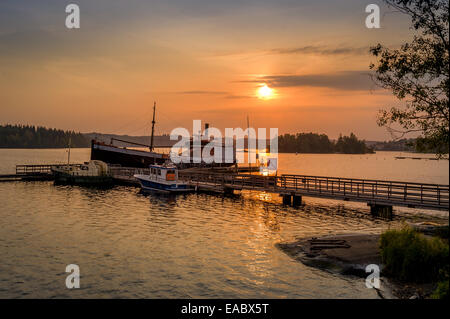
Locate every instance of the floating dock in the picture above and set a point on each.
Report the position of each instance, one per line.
(421, 158)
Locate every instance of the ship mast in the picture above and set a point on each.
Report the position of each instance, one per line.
(153, 127)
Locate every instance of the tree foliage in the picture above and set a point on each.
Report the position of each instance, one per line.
(351, 145)
(418, 73)
(26, 136)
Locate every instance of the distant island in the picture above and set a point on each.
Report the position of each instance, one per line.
(320, 143)
(29, 136)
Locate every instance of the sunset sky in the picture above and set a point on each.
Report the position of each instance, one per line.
(198, 59)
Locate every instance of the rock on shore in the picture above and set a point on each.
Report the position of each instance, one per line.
(345, 254)
(349, 255)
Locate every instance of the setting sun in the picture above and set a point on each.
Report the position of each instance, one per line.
(265, 92)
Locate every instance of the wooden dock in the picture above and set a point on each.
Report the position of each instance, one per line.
(32, 173)
(124, 175)
(380, 195)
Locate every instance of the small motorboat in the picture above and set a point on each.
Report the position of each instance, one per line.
(163, 179)
(92, 173)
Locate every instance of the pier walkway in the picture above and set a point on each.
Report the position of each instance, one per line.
(378, 194)
(32, 172)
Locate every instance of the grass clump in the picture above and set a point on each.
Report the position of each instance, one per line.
(441, 291)
(410, 256)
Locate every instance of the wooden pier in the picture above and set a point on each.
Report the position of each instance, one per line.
(380, 195)
(124, 175)
(32, 172)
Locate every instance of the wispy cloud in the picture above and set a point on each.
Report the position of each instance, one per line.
(202, 92)
(307, 50)
(346, 80)
(223, 94)
(322, 50)
(234, 97)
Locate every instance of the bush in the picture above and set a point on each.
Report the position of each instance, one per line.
(442, 232)
(442, 290)
(410, 256)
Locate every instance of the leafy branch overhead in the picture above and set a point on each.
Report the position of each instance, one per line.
(418, 73)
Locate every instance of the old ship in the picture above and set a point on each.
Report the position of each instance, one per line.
(126, 157)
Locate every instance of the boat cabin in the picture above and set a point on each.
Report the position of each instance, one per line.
(163, 173)
(162, 178)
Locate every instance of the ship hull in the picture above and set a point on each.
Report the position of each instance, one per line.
(135, 158)
(125, 157)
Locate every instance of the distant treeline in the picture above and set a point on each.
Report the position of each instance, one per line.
(403, 145)
(27, 136)
(320, 143)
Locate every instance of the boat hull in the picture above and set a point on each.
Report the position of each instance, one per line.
(151, 185)
(63, 178)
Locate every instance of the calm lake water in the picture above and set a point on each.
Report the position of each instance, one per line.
(130, 245)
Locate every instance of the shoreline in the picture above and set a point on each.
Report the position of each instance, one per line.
(348, 255)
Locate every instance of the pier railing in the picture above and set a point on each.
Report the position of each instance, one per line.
(45, 169)
(394, 193)
(124, 175)
(376, 191)
(128, 171)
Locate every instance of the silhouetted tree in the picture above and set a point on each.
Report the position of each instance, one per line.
(351, 145)
(418, 73)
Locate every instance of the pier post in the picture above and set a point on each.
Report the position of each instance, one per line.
(383, 211)
(286, 199)
(228, 191)
(296, 200)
